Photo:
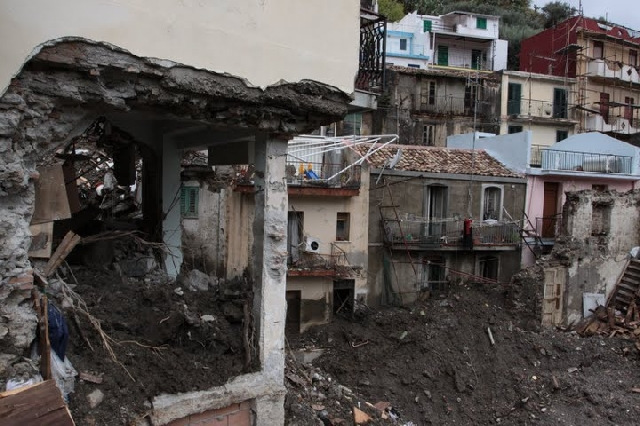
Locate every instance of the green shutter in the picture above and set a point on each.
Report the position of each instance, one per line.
(481, 23)
(443, 55)
(189, 197)
(427, 26)
(514, 96)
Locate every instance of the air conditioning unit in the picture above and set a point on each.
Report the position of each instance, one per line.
(311, 245)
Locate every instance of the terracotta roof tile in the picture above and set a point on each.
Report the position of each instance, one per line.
(438, 160)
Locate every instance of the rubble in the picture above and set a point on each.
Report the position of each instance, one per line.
(445, 371)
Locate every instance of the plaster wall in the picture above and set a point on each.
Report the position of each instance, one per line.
(204, 237)
(262, 41)
(316, 299)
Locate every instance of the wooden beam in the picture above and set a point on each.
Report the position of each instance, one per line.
(39, 404)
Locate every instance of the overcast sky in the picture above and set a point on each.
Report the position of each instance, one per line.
(623, 12)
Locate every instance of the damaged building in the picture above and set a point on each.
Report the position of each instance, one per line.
(79, 89)
(445, 216)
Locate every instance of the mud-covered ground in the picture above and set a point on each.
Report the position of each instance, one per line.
(434, 364)
(164, 342)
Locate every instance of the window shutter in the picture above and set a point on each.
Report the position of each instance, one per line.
(427, 26)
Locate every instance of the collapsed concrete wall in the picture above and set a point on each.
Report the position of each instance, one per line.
(599, 230)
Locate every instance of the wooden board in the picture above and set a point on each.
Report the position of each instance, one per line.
(52, 202)
(37, 405)
(41, 240)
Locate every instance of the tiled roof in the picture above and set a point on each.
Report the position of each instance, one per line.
(438, 160)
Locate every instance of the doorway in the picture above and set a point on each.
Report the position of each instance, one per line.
(292, 325)
(343, 296)
(549, 210)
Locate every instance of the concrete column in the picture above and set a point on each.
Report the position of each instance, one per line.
(171, 225)
(269, 258)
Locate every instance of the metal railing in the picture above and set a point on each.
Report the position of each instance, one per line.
(322, 175)
(335, 264)
(451, 105)
(549, 226)
(585, 162)
(541, 109)
(417, 233)
(536, 155)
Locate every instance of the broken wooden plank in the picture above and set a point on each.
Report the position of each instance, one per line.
(39, 404)
(41, 240)
(91, 378)
(68, 243)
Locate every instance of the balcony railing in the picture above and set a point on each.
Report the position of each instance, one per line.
(322, 175)
(536, 155)
(615, 70)
(451, 105)
(371, 70)
(448, 233)
(541, 109)
(585, 162)
(548, 227)
(318, 264)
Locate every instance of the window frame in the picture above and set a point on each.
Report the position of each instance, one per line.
(428, 134)
(481, 23)
(484, 188)
(481, 260)
(343, 217)
(405, 42)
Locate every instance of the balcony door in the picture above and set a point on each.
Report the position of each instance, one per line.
(560, 103)
(549, 210)
(436, 210)
(604, 106)
(443, 55)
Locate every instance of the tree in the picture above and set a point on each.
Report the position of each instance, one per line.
(556, 12)
(392, 9)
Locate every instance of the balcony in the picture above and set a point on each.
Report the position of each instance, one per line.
(447, 235)
(371, 70)
(320, 265)
(309, 178)
(538, 110)
(613, 124)
(613, 70)
(585, 162)
(451, 105)
(548, 227)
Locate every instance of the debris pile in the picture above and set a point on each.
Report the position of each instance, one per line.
(435, 363)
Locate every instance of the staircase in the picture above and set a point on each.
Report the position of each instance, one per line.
(628, 287)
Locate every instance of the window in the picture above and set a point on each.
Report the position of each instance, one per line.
(491, 202)
(189, 196)
(560, 103)
(295, 235)
(514, 95)
(476, 59)
(598, 50)
(413, 65)
(443, 55)
(427, 94)
(403, 44)
(470, 96)
(514, 129)
(342, 226)
(561, 135)
(434, 274)
(436, 211)
(488, 267)
(428, 133)
(481, 23)
(352, 124)
(600, 219)
(426, 26)
(633, 58)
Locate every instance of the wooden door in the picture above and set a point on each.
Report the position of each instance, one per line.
(549, 210)
(443, 55)
(552, 304)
